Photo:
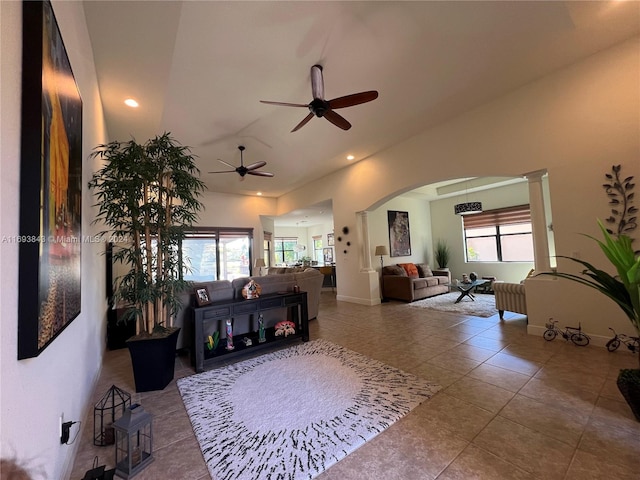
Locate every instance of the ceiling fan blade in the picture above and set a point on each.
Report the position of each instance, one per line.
(353, 99)
(337, 120)
(303, 122)
(261, 174)
(253, 166)
(224, 171)
(317, 82)
(284, 104)
(227, 164)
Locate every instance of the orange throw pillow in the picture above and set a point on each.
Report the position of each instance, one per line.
(411, 269)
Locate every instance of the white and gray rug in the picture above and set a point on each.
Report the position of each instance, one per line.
(291, 414)
(484, 304)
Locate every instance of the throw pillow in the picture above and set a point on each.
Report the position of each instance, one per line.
(410, 268)
(394, 270)
(423, 270)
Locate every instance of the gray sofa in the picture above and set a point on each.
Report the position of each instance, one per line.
(398, 284)
(309, 280)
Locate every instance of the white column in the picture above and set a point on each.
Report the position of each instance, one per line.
(538, 222)
(363, 225)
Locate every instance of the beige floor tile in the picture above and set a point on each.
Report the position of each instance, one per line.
(500, 377)
(564, 424)
(520, 441)
(590, 467)
(479, 393)
(488, 343)
(535, 453)
(516, 364)
(477, 464)
(475, 353)
(581, 401)
(461, 418)
(454, 362)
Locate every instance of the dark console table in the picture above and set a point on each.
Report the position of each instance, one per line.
(219, 312)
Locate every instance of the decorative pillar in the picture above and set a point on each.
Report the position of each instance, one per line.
(538, 222)
(363, 224)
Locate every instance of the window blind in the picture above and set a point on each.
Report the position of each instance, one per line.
(500, 216)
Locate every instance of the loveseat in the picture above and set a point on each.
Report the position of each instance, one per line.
(409, 282)
(309, 280)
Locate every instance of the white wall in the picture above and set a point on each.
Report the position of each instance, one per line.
(448, 227)
(575, 123)
(60, 380)
(419, 226)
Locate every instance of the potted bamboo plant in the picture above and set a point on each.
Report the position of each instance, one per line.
(148, 194)
(624, 288)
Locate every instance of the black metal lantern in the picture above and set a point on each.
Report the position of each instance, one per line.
(134, 441)
(110, 407)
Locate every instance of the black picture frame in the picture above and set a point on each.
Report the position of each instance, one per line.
(399, 233)
(49, 288)
(202, 296)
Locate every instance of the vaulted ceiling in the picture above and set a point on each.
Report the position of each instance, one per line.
(199, 70)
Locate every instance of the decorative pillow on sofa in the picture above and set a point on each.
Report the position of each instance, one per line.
(424, 270)
(394, 270)
(411, 269)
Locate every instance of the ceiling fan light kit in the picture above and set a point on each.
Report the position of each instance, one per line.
(325, 108)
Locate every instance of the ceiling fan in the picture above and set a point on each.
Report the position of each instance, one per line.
(242, 170)
(325, 108)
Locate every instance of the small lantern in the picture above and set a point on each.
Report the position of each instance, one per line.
(110, 407)
(134, 441)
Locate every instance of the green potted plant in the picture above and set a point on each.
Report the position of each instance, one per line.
(624, 288)
(442, 254)
(148, 194)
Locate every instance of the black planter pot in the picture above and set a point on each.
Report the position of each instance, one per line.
(153, 361)
(629, 385)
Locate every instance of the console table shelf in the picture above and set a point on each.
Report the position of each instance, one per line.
(219, 312)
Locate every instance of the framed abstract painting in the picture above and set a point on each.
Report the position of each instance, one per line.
(399, 233)
(50, 185)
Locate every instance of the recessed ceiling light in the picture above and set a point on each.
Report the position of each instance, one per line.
(350, 157)
(131, 102)
(259, 194)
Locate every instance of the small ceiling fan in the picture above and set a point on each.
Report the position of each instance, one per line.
(242, 170)
(325, 108)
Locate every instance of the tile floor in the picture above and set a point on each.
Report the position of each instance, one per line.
(512, 406)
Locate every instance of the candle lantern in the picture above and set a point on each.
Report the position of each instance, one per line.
(110, 407)
(134, 441)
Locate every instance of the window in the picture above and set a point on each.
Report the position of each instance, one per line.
(266, 248)
(501, 235)
(217, 253)
(285, 250)
(317, 248)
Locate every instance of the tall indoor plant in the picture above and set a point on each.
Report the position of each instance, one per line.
(624, 288)
(147, 196)
(442, 254)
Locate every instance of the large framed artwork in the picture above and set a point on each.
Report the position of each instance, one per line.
(50, 185)
(399, 233)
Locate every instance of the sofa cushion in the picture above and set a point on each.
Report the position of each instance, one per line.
(410, 268)
(419, 283)
(394, 270)
(424, 270)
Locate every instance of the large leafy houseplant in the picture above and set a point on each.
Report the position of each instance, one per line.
(148, 194)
